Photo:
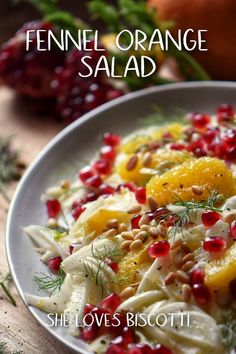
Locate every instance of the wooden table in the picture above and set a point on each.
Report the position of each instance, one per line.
(17, 326)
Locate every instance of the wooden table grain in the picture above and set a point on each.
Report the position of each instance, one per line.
(17, 326)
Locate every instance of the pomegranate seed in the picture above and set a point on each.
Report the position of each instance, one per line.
(135, 222)
(88, 308)
(214, 244)
(54, 264)
(129, 185)
(111, 139)
(201, 294)
(119, 341)
(90, 333)
(211, 134)
(77, 212)
(108, 153)
(161, 349)
(91, 196)
(209, 218)
(232, 286)
(53, 208)
(94, 181)
(200, 121)
(86, 173)
(115, 349)
(113, 265)
(105, 189)
(140, 348)
(159, 249)
(177, 146)
(103, 167)
(74, 246)
(231, 154)
(128, 335)
(111, 302)
(225, 109)
(233, 230)
(78, 203)
(197, 276)
(140, 195)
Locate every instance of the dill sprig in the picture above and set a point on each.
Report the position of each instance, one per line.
(10, 167)
(183, 215)
(161, 116)
(49, 282)
(228, 330)
(3, 349)
(5, 285)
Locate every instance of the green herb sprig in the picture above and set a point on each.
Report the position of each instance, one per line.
(228, 330)
(5, 285)
(49, 282)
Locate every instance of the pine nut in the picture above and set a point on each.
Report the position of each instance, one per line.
(163, 223)
(186, 292)
(113, 224)
(177, 258)
(170, 278)
(127, 293)
(147, 159)
(134, 209)
(132, 163)
(122, 227)
(52, 223)
(197, 190)
(176, 244)
(230, 217)
(153, 205)
(135, 231)
(144, 220)
(145, 228)
(154, 232)
(182, 277)
(162, 231)
(142, 235)
(127, 235)
(136, 245)
(188, 257)
(110, 233)
(185, 248)
(125, 244)
(187, 266)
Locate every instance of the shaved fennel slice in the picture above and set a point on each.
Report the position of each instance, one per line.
(201, 335)
(138, 302)
(100, 345)
(42, 237)
(74, 308)
(151, 280)
(55, 303)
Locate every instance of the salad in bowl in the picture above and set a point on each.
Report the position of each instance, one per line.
(140, 247)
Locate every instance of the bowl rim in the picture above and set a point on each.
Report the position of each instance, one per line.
(64, 132)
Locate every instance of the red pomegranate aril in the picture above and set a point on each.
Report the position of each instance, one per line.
(140, 348)
(77, 212)
(78, 203)
(135, 221)
(90, 333)
(197, 276)
(88, 308)
(108, 153)
(233, 230)
(201, 294)
(103, 167)
(54, 264)
(128, 335)
(91, 196)
(115, 349)
(94, 181)
(232, 286)
(209, 218)
(86, 173)
(105, 189)
(140, 195)
(111, 302)
(113, 265)
(159, 249)
(231, 153)
(111, 139)
(211, 134)
(53, 208)
(200, 121)
(214, 244)
(129, 185)
(178, 146)
(227, 109)
(161, 349)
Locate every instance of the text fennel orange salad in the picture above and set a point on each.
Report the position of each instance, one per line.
(147, 229)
